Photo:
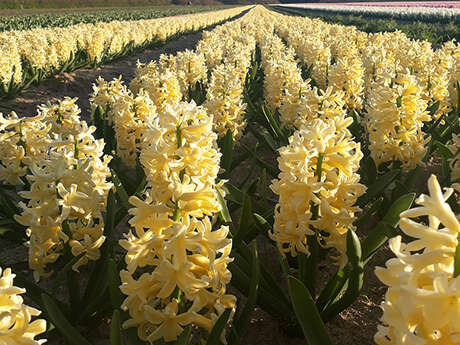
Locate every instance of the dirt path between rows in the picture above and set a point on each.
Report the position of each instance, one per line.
(79, 83)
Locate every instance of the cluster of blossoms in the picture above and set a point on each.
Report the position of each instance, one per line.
(49, 48)
(224, 101)
(176, 263)
(16, 325)
(421, 305)
(65, 175)
(190, 68)
(317, 187)
(127, 113)
(282, 75)
(298, 103)
(160, 83)
(224, 97)
(394, 121)
(228, 51)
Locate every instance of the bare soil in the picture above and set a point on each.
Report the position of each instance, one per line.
(356, 325)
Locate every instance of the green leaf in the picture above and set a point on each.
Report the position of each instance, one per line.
(115, 328)
(233, 193)
(355, 282)
(253, 186)
(354, 251)
(271, 304)
(377, 187)
(331, 289)
(370, 170)
(109, 224)
(133, 339)
(445, 152)
(224, 213)
(98, 122)
(140, 174)
(400, 205)
(184, 338)
(369, 213)
(121, 191)
(242, 322)
(384, 229)
(96, 287)
(67, 267)
(214, 336)
(245, 220)
(305, 310)
(262, 224)
(10, 208)
(116, 298)
(62, 324)
(227, 152)
(273, 124)
(432, 109)
(457, 258)
(264, 165)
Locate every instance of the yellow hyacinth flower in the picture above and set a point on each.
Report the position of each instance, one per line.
(225, 101)
(310, 202)
(394, 121)
(67, 173)
(422, 302)
(176, 262)
(16, 325)
(162, 86)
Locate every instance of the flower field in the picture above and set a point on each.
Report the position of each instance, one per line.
(431, 11)
(262, 170)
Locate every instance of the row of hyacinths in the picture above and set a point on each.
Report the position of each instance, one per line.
(176, 273)
(394, 12)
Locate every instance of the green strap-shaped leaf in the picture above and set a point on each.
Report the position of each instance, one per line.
(233, 193)
(62, 274)
(384, 229)
(98, 122)
(61, 323)
(245, 221)
(115, 328)
(307, 315)
(355, 282)
(331, 290)
(224, 213)
(363, 219)
(121, 191)
(264, 165)
(253, 186)
(9, 208)
(242, 322)
(274, 124)
(377, 187)
(96, 287)
(219, 326)
(265, 299)
(227, 152)
(109, 225)
(262, 224)
(116, 297)
(267, 281)
(184, 338)
(457, 258)
(444, 150)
